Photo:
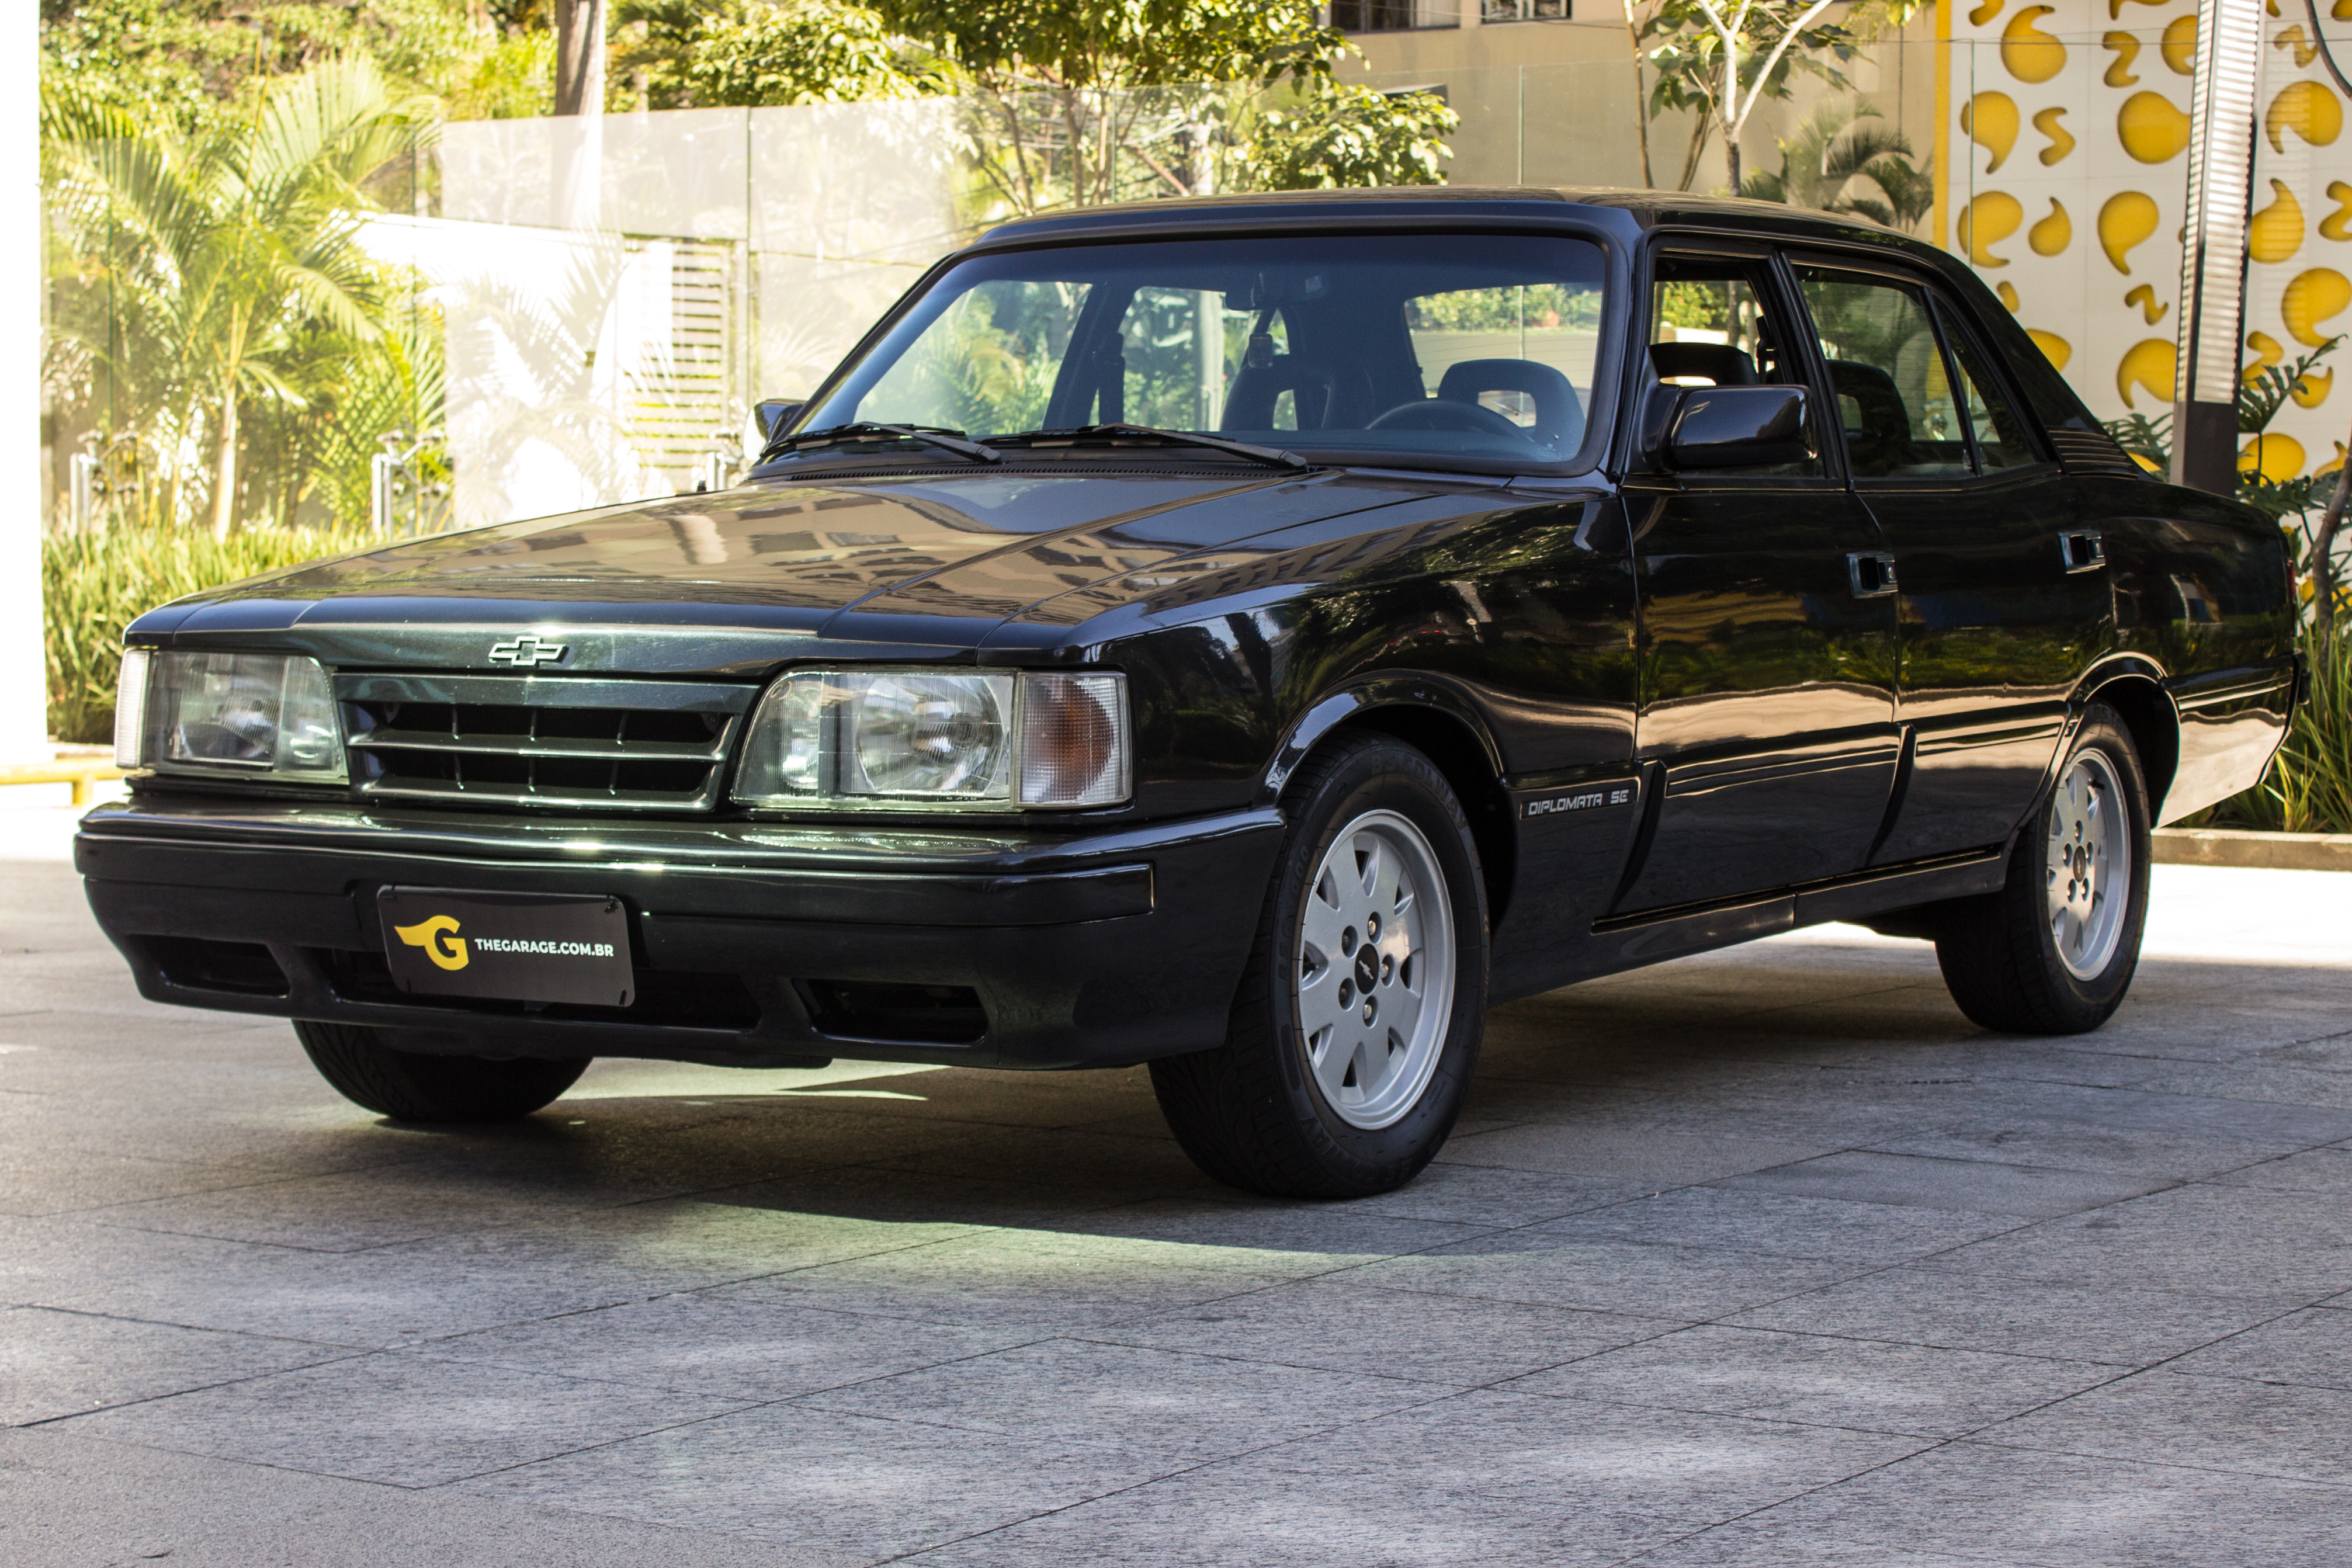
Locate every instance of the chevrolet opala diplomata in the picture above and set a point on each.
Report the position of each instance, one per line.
(1250, 637)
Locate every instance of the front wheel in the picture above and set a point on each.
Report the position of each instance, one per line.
(411, 1086)
(1357, 1022)
(2055, 951)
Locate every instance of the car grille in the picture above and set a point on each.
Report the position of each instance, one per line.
(541, 741)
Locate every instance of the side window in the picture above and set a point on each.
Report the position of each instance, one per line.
(2001, 441)
(1714, 322)
(1894, 390)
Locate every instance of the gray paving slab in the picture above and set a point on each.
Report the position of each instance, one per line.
(2283, 1430)
(1178, 1406)
(1794, 1225)
(55, 1364)
(2061, 1510)
(1767, 1256)
(1343, 1326)
(1820, 1380)
(80, 1502)
(1973, 1186)
(2311, 1348)
(1636, 1155)
(712, 1343)
(1645, 1279)
(2105, 1321)
(432, 1420)
(820, 1478)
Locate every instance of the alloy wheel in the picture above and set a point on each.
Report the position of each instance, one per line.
(1375, 970)
(2087, 865)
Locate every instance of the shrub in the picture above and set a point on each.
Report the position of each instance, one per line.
(93, 585)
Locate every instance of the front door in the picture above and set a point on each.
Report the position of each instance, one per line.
(1766, 724)
(2004, 597)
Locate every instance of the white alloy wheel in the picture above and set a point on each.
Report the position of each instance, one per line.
(1375, 970)
(2087, 865)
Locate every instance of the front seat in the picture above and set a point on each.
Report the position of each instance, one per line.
(1322, 398)
(1878, 430)
(1560, 416)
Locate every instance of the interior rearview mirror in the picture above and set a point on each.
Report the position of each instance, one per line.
(773, 415)
(1739, 427)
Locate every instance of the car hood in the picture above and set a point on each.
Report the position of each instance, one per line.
(942, 559)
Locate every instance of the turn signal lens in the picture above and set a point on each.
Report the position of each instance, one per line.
(131, 708)
(1072, 739)
(933, 740)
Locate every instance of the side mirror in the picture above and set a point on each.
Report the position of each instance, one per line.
(773, 413)
(1739, 427)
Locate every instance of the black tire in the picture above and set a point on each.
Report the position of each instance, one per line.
(2000, 957)
(410, 1086)
(1250, 1112)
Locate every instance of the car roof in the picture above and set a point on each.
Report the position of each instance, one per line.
(1623, 211)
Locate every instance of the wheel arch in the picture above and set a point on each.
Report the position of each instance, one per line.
(2135, 688)
(1444, 726)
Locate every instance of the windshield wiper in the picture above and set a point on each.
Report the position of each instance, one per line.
(946, 440)
(1172, 437)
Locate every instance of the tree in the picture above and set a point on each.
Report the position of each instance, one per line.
(682, 54)
(579, 56)
(1720, 59)
(208, 265)
(199, 63)
(1098, 100)
(1347, 134)
(1847, 158)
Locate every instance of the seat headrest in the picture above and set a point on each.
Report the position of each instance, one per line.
(1719, 362)
(1560, 416)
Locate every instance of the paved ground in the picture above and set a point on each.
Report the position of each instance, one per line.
(1762, 1258)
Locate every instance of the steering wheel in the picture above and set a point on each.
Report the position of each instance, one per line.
(1444, 414)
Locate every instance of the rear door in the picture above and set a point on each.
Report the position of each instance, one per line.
(1766, 724)
(2003, 593)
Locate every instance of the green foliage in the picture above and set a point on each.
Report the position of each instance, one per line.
(1705, 307)
(1346, 134)
(1719, 61)
(1847, 158)
(1540, 306)
(2309, 787)
(757, 54)
(1110, 44)
(2261, 394)
(209, 290)
(93, 585)
(511, 77)
(198, 64)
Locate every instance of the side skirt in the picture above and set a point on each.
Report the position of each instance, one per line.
(1630, 942)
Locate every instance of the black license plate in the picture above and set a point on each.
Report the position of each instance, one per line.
(515, 947)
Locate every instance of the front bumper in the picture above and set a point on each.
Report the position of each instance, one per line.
(754, 942)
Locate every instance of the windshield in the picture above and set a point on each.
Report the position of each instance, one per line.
(1467, 345)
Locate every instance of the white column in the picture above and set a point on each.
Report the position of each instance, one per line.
(24, 681)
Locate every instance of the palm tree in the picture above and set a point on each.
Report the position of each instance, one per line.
(206, 268)
(1848, 159)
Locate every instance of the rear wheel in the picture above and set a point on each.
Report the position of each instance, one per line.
(2055, 951)
(411, 1086)
(1357, 1023)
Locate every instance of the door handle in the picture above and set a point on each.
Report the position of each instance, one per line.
(2082, 551)
(1871, 573)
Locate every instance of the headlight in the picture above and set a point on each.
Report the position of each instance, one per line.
(264, 713)
(924, 738)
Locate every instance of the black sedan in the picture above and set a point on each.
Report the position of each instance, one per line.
(1248, 635)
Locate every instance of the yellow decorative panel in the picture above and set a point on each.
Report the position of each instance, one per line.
(2096, 278)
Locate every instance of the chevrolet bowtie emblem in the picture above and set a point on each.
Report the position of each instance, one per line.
(526, 651)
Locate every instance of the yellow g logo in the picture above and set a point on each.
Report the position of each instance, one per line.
(434, 936)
